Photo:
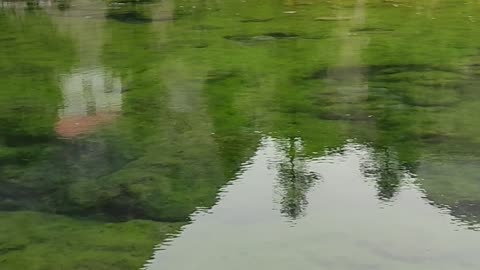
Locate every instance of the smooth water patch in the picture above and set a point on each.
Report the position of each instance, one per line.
(345, 226)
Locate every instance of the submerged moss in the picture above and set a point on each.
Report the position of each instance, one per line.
(31, 240)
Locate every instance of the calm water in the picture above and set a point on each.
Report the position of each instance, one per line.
(240, 134)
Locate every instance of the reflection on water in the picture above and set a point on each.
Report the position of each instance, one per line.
(345, 225)
(294, 179)
(91, 98)
(387, 171)
(311, 134)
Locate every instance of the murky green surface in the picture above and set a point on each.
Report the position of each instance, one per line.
(240, 134)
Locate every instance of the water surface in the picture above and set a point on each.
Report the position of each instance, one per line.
(239, 134)
(343, 226)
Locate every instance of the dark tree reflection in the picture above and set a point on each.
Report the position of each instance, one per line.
(387, 172)
(294, 180)
(389, 177)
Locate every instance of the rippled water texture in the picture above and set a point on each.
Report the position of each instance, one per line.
(239, 134)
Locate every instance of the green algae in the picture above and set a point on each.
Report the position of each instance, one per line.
(31, 240)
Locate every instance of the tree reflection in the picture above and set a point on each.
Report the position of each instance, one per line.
(386, 171)
(294, 180)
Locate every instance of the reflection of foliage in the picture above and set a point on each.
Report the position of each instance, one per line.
(295, 180)
(389, 175)
(386, 171)
(452, 181)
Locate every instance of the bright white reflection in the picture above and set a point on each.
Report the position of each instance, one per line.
(345, 225)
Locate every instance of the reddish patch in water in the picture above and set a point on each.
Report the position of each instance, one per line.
(71, 127)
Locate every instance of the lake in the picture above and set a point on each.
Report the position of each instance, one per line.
(208, 135)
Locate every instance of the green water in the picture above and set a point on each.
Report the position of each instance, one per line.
(239, 134)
